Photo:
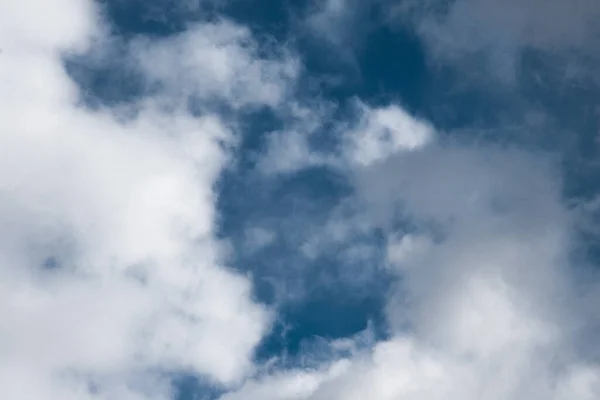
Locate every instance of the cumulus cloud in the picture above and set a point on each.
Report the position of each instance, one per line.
(373, 134)
(489, 300)
(383, 131)
(218, 62)
(488, 303)
(112, 277)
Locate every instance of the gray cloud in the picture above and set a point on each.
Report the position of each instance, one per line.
(501, 31)
(488, 301)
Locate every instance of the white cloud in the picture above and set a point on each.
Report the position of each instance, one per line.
(383, 131)
(287, 386)
(110, 272)
(217, 61)
(404, 369)
(50, 29)
(376, 134)
(109, 268)
(487, 304)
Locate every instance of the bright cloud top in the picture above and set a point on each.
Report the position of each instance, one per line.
(111, 274)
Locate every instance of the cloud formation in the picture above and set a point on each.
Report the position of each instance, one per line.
(112, 277)
(487, 304)
(216, 62)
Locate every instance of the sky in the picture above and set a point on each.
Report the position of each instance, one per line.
(299, 199)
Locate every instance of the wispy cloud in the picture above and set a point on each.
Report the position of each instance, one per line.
(457, 31)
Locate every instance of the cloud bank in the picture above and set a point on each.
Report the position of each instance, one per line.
(114, 277)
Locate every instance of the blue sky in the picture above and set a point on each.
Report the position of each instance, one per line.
(299, 200)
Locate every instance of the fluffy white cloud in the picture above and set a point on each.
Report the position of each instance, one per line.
(489, 301)
(375, 134)
(488, 304)
(381, 132)
(287, 386)
(217, 61)
(51, 29)
(110, 272)
(403, 369)
(111, 276)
